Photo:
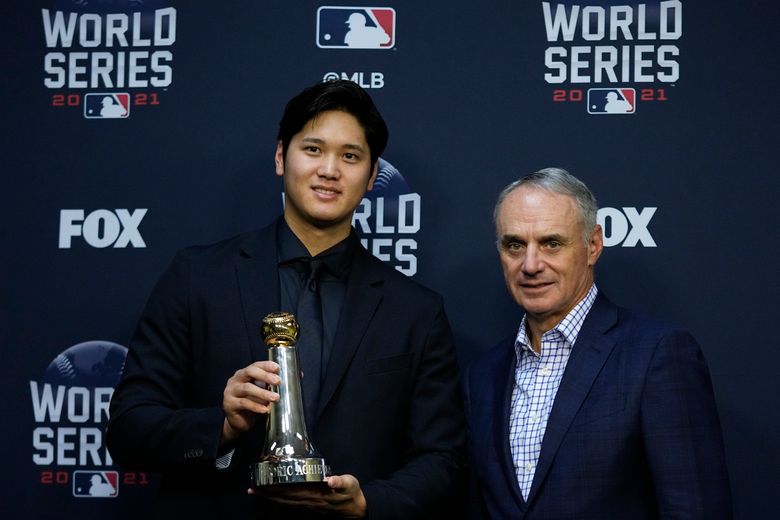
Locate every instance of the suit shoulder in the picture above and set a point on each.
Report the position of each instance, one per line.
(226, 244)
(645, 324)
(639, 333)
(611, 318)
(216, 252)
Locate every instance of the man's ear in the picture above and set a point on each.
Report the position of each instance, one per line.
(372, 178)
(279, 159)
(596, 245)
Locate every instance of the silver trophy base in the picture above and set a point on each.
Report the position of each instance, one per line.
(290, 471)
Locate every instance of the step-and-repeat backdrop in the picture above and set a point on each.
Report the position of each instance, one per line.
(132, 128)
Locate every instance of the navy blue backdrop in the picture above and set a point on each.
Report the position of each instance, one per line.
(133, 128)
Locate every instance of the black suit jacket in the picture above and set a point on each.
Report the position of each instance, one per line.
(390, 412)
(633, 432)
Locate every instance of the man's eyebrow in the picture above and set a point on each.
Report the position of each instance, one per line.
(355, 147)
(505, 239)
(557, 237)
(319, 141)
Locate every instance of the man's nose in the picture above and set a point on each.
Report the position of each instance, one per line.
(328, 167)
(532, 261)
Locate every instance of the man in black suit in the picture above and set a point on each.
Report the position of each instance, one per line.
(382, 393)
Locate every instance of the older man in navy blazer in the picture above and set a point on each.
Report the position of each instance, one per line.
(590, 411)
(385, 412)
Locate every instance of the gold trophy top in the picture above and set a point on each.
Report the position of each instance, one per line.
(280, 329)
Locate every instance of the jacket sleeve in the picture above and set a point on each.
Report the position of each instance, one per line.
(151, 426)
(682, 433)
(431, 482)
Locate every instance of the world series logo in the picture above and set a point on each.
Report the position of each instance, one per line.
(70, 411)
(108, 58)
(611, 58)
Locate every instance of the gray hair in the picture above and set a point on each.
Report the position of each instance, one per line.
(558, 180)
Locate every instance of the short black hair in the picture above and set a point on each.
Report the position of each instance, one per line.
(343, 95)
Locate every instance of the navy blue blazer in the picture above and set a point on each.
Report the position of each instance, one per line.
(633, 432)
(390, 412)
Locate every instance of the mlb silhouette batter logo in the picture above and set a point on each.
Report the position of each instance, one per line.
(355, 27)
(95, 484)
(611, 101)
(107, 105)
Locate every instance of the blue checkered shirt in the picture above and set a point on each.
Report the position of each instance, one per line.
(537, 378)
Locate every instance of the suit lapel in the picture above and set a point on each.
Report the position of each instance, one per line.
(258, 283)
(363, 295)
(588, 356)
(503, 397)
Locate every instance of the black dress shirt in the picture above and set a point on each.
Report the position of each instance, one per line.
(332, 280)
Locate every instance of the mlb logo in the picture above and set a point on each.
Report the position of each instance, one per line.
(107, 105)
(355, 27)
(611, 101)
(95, 484)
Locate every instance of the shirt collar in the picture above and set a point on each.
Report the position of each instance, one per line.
(336, 259)
(569, 327)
